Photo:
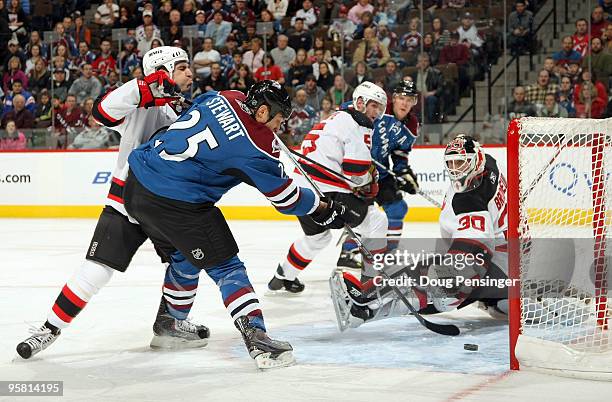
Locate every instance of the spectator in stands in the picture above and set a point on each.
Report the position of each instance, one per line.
(327, 109)
(66, 120)
(519, 106)
(129, 56)
(283, 54)
(440, 33)
(566, 55)
(411, 40)
(14, 72)
(328, 12)
(581, 38)
(36, 40)
(269, 71)
(216, 5)
(14, 140)
(607, 36)
(459, 54)
(85, 55)
(230, 58)
(241, 11)
(319, 57)
(549, 65)
(86, 109)
(215, 81)
(42, 118)
(598, 61)
(278, 8)
(367, 21)
(61, 53)
(105, 62)
(105, 16)
(551, 108)
(188, 13)
(607, 6)
(60, 84)
(147, 20)
(308, 13)
(303, 117)
(537, 92)
(588, 103)
(598, 22)
(340, 92)
(300, 69)
(326, 78)
(314, 93)
(587, 77)
(257, 6)
(18, 20)
(86, 86)
(468, 34)
(163, 14)
(429, 83)
(371, 51)
(200, 21)
(13, 50)
(362, 74)
(319, 44)
(299, 37)
(65, 40)
(81, 33)
(386, 36)
(39, 77)
(218, 29)
(566, 95)
(203, 59)
(173, 31)
(254, 57)
(242, 81)
(384, 13)
(126, 19)
(18, 112)
(520, 29)
(430, 48)
(355, 12)
(111, 83)
(392, 76)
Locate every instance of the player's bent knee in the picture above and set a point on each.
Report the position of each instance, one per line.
(90, 278)
(396, 210)
(319, 241)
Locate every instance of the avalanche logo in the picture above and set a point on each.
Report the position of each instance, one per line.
(197, 253)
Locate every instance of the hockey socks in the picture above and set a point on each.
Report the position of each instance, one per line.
(77, 292)
(237, 292)
(180, 286)
(395, 211)
(302, 252)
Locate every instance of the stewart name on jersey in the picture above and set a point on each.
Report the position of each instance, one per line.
(214, 146)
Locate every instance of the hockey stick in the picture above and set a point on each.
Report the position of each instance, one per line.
(307, 159)
(443, 329)
(402, 180)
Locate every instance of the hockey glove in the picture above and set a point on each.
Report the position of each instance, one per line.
(156, 90)
(332, 216)
(407, 181)
(370, 190)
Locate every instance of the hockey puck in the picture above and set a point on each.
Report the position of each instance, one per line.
(470, 346)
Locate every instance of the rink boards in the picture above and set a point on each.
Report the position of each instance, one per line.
(75, 184)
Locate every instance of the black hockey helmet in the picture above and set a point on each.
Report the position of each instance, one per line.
(272, 94)
(406, 87)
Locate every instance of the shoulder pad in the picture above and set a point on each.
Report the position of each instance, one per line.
(360, 118)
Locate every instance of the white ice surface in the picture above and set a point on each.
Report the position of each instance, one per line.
(104, 354)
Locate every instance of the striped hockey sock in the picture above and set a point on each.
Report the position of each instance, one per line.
(237, 292)
(394, 233)
(180, 286)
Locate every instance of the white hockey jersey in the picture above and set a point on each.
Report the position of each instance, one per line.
(342, 144)
(119, 111)
(479, 217)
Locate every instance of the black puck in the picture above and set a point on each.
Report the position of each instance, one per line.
(470, 346)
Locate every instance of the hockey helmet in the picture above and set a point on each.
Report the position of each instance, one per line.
(406, 88)
(163, 56)
(272, 94)
(464, 161)
(369, 91)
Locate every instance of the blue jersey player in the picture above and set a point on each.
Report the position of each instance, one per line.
(175, 179)
(392, 133)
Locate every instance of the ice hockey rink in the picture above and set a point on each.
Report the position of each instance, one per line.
(104, 355)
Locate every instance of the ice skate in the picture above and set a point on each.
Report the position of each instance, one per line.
(279, 284)
(267, 353)
(40, 340)
(170, 333)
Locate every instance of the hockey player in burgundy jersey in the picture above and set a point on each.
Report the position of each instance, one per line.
(136, 110)
(340, 143)
(176, 179)
(473, 222)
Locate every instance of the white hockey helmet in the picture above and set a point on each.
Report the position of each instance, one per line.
(464, 161)
(369, 91)
(163, 56)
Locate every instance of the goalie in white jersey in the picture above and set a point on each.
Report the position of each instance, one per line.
(341, 144)
(137, 110)
(473, 222)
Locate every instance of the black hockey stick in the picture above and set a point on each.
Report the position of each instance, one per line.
(322, 166)
(442, 329)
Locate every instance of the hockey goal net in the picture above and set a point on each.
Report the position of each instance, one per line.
(559, 218)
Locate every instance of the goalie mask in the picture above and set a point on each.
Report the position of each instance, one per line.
(464, 161)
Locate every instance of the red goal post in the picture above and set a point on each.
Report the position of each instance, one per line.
(560, 210)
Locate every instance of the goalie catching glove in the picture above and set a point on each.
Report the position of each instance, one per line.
(407, 181)
(156, 89)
